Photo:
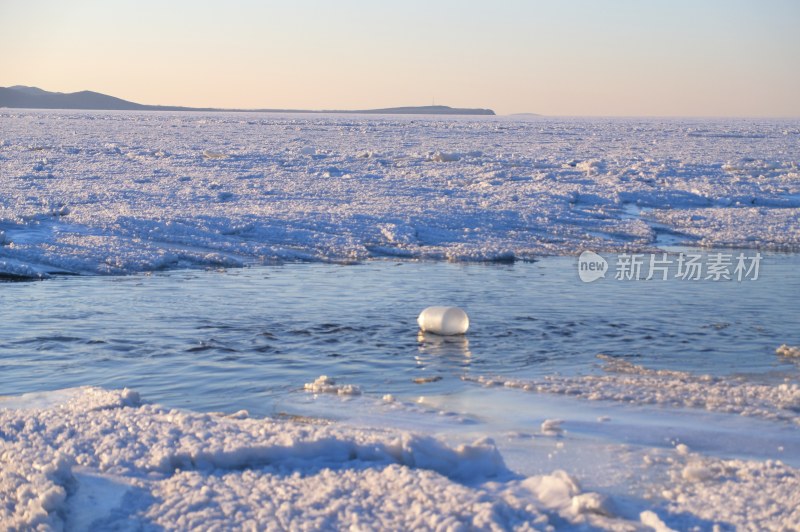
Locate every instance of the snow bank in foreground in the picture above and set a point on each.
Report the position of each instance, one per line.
(732, 494)
(631, 383)
(115, 193)
(89, 458)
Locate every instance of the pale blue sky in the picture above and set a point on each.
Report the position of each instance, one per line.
(569, 57)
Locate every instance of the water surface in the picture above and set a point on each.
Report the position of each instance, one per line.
(250, 338)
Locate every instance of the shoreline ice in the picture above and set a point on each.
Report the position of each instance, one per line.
(86, 457)
(630, 383)
(118, 193)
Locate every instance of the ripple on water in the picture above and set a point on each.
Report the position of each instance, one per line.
(205, 332)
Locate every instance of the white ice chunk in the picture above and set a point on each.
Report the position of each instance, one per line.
(552, 427)
(697, 473)
(446, 321)
(784, 350)
(325, 384)
(651, 519)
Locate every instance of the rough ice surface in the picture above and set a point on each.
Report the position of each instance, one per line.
(751, 495)
(729, 494)
(691, 490)
(122, 192)
(635, 384)
(88, 458)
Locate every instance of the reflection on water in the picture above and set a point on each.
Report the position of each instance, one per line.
(454, 348)
(248, 338)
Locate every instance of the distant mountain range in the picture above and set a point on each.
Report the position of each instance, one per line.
(21, 97)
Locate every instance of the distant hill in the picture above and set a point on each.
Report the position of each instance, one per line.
(21, 97)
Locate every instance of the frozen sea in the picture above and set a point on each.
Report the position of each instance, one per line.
(225, 334)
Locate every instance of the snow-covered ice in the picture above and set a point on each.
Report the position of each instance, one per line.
(140, 465)
(89, 458)
(751, 495)
(119, 192)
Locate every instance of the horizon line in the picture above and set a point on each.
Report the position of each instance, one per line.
(299, 110)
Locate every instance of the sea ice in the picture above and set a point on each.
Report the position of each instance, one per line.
(93, 458)
(630, 383)
(736, 494)
(117, 193)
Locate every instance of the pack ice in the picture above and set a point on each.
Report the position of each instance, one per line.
(123, 192)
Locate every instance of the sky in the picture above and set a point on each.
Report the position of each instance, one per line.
(567, 57)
